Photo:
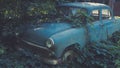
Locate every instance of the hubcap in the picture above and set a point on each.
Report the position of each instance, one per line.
(70, 56)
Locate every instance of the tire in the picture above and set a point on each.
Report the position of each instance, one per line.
(70, 58)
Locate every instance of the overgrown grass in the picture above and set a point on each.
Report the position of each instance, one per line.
(105, 54)
(116, 52)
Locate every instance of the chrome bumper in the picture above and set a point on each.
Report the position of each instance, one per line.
(51, 61)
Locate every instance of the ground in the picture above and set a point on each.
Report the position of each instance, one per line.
(101, 55)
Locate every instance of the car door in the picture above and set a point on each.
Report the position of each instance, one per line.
(107, 23)
(95, 28)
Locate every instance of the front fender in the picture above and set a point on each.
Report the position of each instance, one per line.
(68, 37)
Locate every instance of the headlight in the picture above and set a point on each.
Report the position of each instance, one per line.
(49, 43)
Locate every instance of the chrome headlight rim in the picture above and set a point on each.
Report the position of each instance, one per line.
(50, 43)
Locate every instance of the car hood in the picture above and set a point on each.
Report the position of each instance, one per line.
(40, 34)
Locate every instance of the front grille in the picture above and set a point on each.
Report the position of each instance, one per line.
(38, 49)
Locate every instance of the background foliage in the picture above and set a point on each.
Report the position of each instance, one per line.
(16, 12)
(24, 11)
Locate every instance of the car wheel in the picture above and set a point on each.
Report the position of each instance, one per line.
(70, 58)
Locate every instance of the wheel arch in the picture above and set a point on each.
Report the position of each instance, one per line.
(60, 52)
(73, 47)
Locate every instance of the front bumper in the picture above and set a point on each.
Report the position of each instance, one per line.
(47, 55)
(51, 61)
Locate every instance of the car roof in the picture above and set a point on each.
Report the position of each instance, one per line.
(86, 5)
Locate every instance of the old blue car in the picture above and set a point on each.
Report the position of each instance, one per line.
(57, 40)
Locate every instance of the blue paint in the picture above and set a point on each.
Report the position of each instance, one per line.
(41, 34)
(64, 35)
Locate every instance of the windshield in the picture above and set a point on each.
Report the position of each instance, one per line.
(72, 14)
(71, 11)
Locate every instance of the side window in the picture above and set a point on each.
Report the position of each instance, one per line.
(95, 15)
(106, 14)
